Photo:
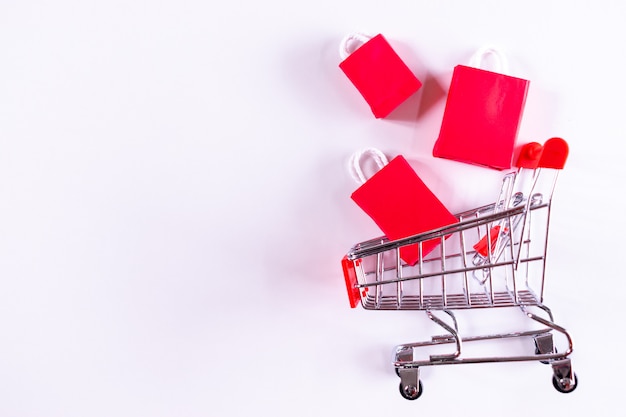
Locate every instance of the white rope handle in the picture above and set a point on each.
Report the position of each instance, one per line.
(351, 43)
(502, 65)
(355, 164)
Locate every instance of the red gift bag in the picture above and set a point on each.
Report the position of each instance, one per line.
(402, 205)
(377, 71)
(482, 115)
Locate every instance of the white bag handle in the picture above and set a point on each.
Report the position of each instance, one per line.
(355, 163)
(502, 66)
(351, 43)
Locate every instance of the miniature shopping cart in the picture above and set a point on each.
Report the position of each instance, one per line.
(494, 256)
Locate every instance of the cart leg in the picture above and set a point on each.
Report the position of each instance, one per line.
(553, 326)
(564, 379)
(453, 336)
(410, 384)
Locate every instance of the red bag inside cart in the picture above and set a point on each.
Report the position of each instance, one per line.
(402, 205)
(378, 73)
(482, 115)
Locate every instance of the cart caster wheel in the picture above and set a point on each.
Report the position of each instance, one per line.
(565, 385)
(411, 392)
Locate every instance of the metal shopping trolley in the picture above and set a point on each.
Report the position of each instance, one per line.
(493, 257)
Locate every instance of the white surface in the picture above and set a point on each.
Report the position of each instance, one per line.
(175, 204)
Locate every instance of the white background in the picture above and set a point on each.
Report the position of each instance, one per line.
(175, 203)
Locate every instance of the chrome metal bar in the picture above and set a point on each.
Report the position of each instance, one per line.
(449, 272)
(420, 271)
(359, 252)
(466, 287)
(545, 254)
(485, 359)
(399, 284)
(455, 301)
(379, 277)
(443, 271)
(513, 270)
(440, 340)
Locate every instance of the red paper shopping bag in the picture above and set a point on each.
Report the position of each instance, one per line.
(402, 205)
(482, 116)
(379, 74)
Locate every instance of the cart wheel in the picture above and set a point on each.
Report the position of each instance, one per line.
(411, 392)
(565, 385)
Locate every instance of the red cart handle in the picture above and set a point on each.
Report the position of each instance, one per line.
(349, 274)
(529, 155)
(552, 154)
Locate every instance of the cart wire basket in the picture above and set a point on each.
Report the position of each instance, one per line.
(493, 257)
